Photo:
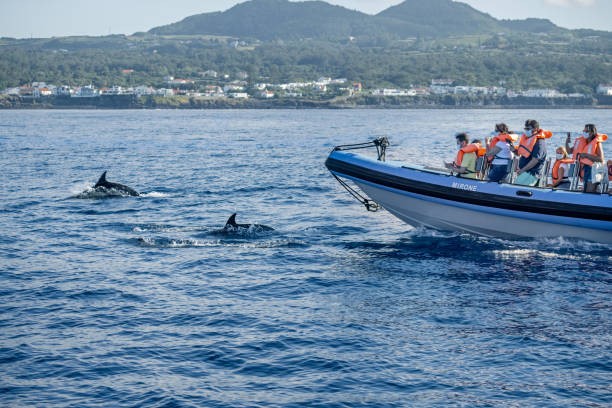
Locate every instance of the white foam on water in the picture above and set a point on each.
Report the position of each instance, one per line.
(155, 194)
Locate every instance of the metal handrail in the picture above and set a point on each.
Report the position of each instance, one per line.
(381, 145)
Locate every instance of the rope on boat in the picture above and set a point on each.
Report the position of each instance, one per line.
(381, 145)
(369, 204)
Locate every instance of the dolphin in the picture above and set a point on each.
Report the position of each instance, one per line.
(104, 185)
(231, 225)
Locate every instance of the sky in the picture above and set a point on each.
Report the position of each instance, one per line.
(56, 18)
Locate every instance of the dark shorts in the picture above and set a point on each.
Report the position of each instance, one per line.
(498, 172)
(564, 185)
(586, 176)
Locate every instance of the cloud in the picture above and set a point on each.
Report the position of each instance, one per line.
(570, 3)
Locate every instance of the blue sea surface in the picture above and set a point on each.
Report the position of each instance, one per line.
(143, 301)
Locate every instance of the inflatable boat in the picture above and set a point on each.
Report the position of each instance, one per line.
(432, 198)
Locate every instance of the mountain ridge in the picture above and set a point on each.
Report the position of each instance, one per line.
(283, 19)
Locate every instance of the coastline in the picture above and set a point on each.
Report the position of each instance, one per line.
(360, 102)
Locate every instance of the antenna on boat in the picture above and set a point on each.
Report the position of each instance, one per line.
(381, 147)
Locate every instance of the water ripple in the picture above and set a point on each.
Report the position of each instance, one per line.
(147, 301)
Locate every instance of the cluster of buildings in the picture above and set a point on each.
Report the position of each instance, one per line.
(447, 87)
(237, 89)
(215, 86)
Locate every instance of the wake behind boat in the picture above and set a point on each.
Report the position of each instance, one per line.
(425, 197)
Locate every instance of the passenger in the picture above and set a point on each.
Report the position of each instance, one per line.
(499, 151)
(560, 170)
(532, 152)
(590, 153)
(465, 162)
(579, 144)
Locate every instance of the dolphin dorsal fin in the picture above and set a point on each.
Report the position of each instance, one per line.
(231, 221)
(101, 180)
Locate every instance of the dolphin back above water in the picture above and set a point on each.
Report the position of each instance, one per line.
(231, 225)
(107, 186)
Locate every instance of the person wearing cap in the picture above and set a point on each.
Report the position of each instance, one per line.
(532, 152)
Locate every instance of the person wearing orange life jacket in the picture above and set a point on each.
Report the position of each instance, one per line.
(499, 152)
(590, 153)
(465, 162)
(532, 152)
(560, 170)
(579, 144)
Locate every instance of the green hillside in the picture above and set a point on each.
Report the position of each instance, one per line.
(281, 19)
(439, 18)
(277, 41)
(277, 19)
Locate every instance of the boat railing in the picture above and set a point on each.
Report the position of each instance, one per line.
(601, 176)
(381, 145)
(544, 171)
(574, 176)
(511, 178)
(482, 167)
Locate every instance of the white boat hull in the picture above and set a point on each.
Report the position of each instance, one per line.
(425, 212)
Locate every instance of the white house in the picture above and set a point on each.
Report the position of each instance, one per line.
(266, 94)
(11, 91)
(233, 88)
(395, 92)
(144, 90)
(179, 81)
(442, 82)
(543, 93)
(88, 91)
(209, 74)
(114, 90)
(164, 92)
(213, 91)
(63, 91)
(604, 89)
(441, 86)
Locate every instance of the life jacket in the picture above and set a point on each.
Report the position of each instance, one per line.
(470, 148)
(591, 148)
(555, 169)
(502, 137)
(579, 144)
(527, 143)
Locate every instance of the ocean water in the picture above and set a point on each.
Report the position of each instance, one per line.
(143, 301)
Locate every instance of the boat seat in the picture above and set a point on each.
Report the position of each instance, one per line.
(600, 174)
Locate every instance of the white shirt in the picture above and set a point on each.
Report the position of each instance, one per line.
(504, 155)
(565, 167)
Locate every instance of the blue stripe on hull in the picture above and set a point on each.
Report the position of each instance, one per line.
(551, 219)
